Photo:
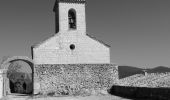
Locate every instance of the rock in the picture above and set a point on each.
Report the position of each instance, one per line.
(104, 92)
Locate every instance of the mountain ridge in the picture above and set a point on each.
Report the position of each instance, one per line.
(125, 71)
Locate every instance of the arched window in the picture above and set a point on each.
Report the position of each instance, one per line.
(72, 19)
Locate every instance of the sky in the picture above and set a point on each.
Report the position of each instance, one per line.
(138, 31)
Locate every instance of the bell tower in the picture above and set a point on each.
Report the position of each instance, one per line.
(70, 16)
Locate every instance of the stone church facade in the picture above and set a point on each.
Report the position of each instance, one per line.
(71, 44)
(69, 62)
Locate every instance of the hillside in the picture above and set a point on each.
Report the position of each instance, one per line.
(152, 80)
(159, 69)
(126, 71)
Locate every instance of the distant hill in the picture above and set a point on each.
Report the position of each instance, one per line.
(159, 69)
(125, 71)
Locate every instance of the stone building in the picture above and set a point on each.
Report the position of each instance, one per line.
(71, 44)
(69, 62)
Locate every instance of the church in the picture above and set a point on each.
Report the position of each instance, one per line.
(71, 44)
(69, 62)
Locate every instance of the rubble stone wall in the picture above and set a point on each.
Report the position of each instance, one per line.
(74, 79)
(151, 80)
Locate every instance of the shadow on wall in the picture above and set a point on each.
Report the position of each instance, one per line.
(20, 83)
(140, 93)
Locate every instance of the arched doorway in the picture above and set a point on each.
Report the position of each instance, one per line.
(19, 76)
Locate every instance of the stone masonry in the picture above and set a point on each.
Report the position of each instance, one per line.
(74, 79)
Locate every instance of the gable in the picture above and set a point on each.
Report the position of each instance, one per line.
(71, 48)
(100, 41)
(36, 45)
(57, 35)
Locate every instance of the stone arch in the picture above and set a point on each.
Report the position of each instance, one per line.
(24, 58)
(28, 86)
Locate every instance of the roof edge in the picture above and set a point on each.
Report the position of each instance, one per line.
(100, 41)
(35, 45)
(68, 1)
(72, 1)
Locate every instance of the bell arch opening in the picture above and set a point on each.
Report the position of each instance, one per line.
(72, 19)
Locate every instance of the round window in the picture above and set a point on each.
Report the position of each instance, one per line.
(72, 46)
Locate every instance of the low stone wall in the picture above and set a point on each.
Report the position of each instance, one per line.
(153, 80)
(74, 79)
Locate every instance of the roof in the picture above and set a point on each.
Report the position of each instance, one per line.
(98, 40)
(68, 1)
(38, 44)
(44, 40)
(72, 1)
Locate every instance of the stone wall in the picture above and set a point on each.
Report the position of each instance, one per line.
(153, 80)
(2, 84)
(74, 79)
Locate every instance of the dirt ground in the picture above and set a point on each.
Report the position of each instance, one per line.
(100, 97)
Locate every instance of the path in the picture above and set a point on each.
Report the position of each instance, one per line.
(106, 97)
